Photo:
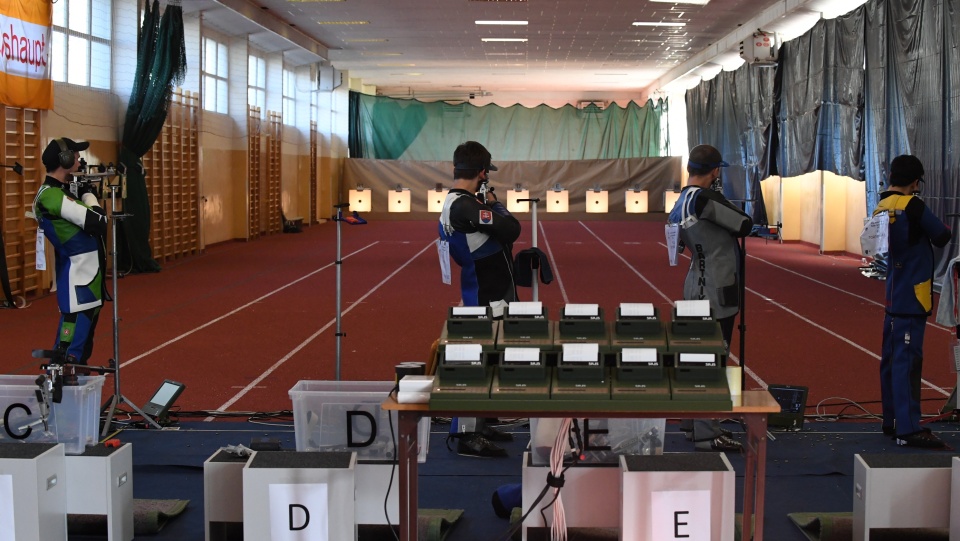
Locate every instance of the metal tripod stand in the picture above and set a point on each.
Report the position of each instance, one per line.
(353, 221)
(111, 406)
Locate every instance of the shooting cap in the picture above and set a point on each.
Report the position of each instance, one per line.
(51, 155)
(472, 157)
(905, 169)
(705, 158)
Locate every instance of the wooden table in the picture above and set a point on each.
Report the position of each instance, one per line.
(752, 406)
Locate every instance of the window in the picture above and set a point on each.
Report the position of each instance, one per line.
(289, 97)
(214, 76)
(80, 44)
(257, 83)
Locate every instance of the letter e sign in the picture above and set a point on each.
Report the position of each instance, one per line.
(680, 514)
(299, 512)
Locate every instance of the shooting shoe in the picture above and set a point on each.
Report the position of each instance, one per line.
(721, 443)
(494, 434)
(924, 439)
(689, 433)
(474, 444)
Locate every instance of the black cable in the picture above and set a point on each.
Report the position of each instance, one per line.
(393, 466)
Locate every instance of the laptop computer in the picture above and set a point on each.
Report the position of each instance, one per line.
(793, 403)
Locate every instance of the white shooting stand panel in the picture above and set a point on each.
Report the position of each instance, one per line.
(33, 493)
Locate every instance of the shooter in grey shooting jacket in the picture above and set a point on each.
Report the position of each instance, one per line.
(709, 228)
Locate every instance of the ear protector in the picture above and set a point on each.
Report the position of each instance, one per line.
(66, 156)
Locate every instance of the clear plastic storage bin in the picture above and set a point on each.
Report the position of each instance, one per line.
(74, 422)
(622, 436)
(346, 416)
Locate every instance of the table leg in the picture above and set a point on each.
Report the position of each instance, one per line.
(407, 464)
(754, 477)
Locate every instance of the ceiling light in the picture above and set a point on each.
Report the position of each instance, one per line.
(316, 0)
(347, 22)
(505, 54)
(662, 23)
(504, 39)
(380, 54)
(370, 40)
(502, 22)
(396, 65)
(694, 2)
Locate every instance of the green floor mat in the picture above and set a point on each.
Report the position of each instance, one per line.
(824, 526)
(435, 524)
(149, 516)
(839, 527)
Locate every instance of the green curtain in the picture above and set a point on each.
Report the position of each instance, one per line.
(393, 129)
(161, 64)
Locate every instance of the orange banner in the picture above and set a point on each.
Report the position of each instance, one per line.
(25, 29)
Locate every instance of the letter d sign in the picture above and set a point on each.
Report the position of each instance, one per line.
(299, 512)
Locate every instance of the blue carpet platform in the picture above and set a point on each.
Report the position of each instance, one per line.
(807, 471)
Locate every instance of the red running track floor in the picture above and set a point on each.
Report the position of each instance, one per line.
(243, 323)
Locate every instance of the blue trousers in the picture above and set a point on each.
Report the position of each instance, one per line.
(901, 363)
(75, 334)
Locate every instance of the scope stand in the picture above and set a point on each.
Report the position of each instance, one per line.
(533, 243)
(117, 398)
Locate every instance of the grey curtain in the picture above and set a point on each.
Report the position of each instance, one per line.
(734, 112)
(913, 97)
(820, 110)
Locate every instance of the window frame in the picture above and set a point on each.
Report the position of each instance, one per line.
(260, 91)
(289, 102)
(221, 78)
(64, 37)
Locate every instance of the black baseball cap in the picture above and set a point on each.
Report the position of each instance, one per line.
(51, 154)
(905, 169)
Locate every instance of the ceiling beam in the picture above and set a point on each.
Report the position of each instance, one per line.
(274, 24)
(729, 42)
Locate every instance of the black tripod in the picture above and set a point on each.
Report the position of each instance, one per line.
(117, 398)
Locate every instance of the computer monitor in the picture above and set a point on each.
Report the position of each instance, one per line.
(793, 403)
(165, 396)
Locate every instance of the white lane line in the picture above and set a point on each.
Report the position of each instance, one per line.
(329, 324)
(824, 284)
(553, 265)
(830, 332)
(835, 335)
(629, 266)
(238, 309)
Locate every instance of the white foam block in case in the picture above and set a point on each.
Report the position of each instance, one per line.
(412, 397)
(419, 384)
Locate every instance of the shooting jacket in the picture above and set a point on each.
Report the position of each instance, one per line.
(914, 230)
(76, 232)
(709, 227)
(481, 242)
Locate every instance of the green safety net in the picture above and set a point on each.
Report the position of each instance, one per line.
(161, 63)
(394, 129)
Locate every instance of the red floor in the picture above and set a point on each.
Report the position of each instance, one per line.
(241, 324)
